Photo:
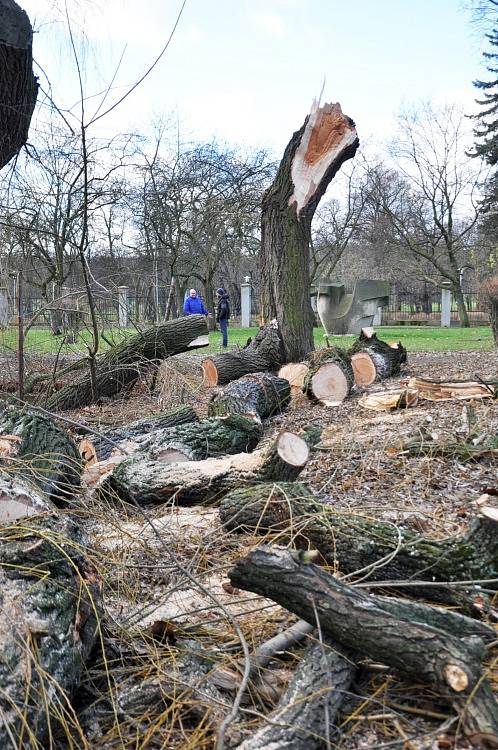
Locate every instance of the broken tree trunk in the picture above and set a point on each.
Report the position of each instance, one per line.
(440, 390)
(43, 453)
(18, 85)
(140, 431)
(373, 359)
(264, 352)
(122, 365)
(312, 157)
(354, 543)
(143, 481)
(49, 605)
(304, 717)
(330, 376)
(262, 394)
(358, 621)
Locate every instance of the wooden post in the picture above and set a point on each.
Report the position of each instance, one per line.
(245, 303)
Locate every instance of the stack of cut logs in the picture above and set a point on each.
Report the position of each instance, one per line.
(176, 458)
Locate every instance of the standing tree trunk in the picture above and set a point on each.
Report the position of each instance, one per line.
(18, 86)
(462, 309)
(312, 157)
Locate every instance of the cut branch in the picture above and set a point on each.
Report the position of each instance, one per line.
(412, 646)
(261, 394)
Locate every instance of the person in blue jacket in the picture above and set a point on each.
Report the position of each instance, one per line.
(223, 314)
(194, 305)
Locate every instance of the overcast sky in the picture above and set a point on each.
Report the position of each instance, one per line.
(245, 71)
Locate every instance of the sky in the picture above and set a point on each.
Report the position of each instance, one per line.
(246, 71)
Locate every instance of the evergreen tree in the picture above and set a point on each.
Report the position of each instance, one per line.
(486, 132)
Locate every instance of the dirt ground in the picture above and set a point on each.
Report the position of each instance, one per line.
(357, 466)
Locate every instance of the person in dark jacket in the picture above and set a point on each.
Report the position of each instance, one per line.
(223, 314)
(194, 305)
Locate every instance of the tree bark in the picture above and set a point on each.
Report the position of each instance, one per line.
(330, 377)
(142, 481)
(305, 714)
(263, 353)
(261, 394)
(45, 454)
(357, 621)
(18, 85)
(141, 430)
(122, 365)
(352, 542)
(49, 603)
(312, 157)
(462, 309)
(209, 438)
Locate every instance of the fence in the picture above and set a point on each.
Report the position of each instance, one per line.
(409, 308)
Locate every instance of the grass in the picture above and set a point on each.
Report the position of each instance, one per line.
(415, 338)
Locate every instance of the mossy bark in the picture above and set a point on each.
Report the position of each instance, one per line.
(351, 542)
(261, 393)
(47, 455)
(49, 604)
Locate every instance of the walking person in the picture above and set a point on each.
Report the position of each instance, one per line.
(223, 314)
(194, 305)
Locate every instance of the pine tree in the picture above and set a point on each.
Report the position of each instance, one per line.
(486, 133)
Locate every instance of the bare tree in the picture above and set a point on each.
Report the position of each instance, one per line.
(431, 197)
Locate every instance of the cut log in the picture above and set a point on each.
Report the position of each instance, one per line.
(295, 373)
(140, 430)
(386, 359)
(330, 377)
(217, 436)
(358, 621)
(311, 159)
(48, 608)
(352, 542)
(263, 353)
(262, 394)
(20, 499)
(304, 717)
(364, 369)
(143, 481)
(123, 364)
(45, 454)
(440, 390)
(18, 85)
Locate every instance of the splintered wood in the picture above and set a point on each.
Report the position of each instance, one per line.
(435, 390)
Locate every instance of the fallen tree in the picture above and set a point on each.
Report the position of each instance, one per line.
(262, 394)
(373, 359)
(49, 609)
(312, 158)
(412, 645)
(354, 543)
(141, 481)
(330, 376)
(123, 364)
(40, 451)
(264, 352)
